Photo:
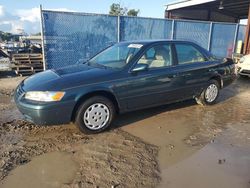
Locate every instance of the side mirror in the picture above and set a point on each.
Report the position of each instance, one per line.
(140, 67)
(82, 61)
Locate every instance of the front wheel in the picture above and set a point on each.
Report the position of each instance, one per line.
(209, 94)
(95, 115)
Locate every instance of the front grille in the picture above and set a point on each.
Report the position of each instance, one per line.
(20, 91)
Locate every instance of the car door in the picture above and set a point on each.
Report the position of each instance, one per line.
(194, 68)
(156, 85)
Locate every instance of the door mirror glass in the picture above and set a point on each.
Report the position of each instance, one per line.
(140, 67)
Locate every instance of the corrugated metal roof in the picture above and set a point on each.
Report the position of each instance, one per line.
(186, 3)
(234, 8)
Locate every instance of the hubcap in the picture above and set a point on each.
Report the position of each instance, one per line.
(211, 93)
(96, 116)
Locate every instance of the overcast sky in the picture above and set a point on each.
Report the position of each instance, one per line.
(17, 14)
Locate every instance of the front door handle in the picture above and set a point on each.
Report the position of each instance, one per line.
(172, 76)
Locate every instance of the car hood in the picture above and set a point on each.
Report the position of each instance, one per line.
(67, 77)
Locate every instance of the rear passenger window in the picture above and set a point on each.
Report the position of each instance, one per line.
(187, 53)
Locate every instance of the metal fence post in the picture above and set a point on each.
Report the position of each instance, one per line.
(173, 29)
(118, 28)
(210, 36)
(235, 37)
(42, 37)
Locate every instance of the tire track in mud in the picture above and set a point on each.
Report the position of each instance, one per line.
(113, 158)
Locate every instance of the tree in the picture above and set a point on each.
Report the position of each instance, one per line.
(133, 12)
(117, 10)
(5, 36)
(37, 34)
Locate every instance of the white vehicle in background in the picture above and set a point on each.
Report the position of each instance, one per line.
(244, 66)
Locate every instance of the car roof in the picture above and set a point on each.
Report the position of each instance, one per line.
(146, 43)
(154, 41)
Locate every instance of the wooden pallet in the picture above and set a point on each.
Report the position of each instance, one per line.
(27, 64)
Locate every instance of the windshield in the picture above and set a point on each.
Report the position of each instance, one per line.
(116, 56)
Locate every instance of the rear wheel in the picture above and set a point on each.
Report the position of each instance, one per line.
(95, 115)
(209, 94)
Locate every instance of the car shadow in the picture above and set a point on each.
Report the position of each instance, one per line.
(135, 116)
(234, 89)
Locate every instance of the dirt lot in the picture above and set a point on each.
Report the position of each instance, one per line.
(178, 145)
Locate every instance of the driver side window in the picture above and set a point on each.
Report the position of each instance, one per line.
(157, 56)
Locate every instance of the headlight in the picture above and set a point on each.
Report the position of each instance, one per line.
(44, 96)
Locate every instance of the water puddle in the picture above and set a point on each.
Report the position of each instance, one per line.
(183, 133)
(166, 131)
(8, 109)
(216, 165)
(50, 170)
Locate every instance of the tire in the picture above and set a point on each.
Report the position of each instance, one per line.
(205, 98)
(95, 115)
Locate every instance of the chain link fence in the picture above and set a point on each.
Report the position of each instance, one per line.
(71, 37)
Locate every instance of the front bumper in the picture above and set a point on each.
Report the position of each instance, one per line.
(244, 70)
(51, 113)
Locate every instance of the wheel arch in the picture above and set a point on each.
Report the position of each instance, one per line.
(103, 93)
(218, 79)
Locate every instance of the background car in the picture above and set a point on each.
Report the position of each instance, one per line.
(244, 66)
(124, 77)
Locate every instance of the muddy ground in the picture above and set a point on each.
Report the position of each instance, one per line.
(177, 145)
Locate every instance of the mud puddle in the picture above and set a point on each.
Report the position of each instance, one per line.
(187, 132)
(50, 170)
(167, 132)
(103, 160)
(219, 164)
(8, 111)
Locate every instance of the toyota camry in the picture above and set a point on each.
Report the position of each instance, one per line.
(124, 77)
